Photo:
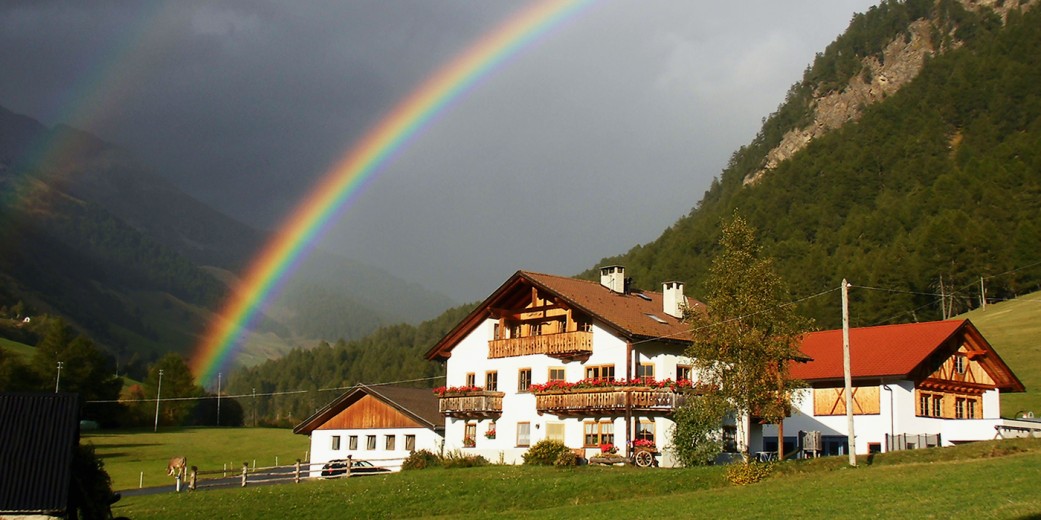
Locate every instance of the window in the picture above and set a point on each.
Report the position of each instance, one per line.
(410, 442)
(352, 442)
(970, 412)
(523, 379)
(645, 432)
(923, 405)
(523, 434)
(471, 379)
(937, 405)
(336, 443)
(597, 433)
(536, 329)
(556, 374)
(491, 380)
(470, 435)
(645, 371)
(959, 364)
(370, 442)
(959, 408)
(555, 431)
(682, 372)
(600, 372)
(389, 442)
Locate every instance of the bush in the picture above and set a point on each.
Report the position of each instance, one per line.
(456, 459)
(421, 459)
(545, 453)
(747, 473)
(566, 458)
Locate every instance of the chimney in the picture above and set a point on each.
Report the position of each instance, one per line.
(673, 300)
(613, 277)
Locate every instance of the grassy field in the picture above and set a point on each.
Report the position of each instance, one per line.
(1013, 328)
(20, 350)
(129, 453)
(995, 479)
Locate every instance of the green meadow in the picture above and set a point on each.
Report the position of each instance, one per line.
(994, 479)
(1013, 328)
(133, 455)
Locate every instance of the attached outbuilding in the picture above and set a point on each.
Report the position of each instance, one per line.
(914, 385)
(380, 424)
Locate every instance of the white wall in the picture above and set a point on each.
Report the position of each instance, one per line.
(322, 452)
(897, 408)
(471, 355)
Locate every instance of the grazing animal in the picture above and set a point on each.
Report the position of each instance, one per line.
(177, 466)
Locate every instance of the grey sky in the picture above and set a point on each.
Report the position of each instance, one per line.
(593, 139)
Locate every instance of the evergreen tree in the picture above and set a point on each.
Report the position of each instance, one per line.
(177, 384)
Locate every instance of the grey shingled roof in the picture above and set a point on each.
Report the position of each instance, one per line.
(39, 434)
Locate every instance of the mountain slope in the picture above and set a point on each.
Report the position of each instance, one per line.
(88, 233)
(938, 182)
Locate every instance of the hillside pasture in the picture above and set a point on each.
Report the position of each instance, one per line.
(128, 454)
(1013, 328)
(994, 479)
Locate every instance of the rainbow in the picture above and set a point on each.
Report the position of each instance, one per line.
(342, 184)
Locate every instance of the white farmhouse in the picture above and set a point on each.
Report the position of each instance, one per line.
(914, 385)
(380, 424)
(550, 357)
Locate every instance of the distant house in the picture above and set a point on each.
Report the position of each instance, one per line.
(914, 385)
(39, 436)
(382, 424)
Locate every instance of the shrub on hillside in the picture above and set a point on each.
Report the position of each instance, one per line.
(566, 458)
(545, 453)
(456, 459)
(747, 473)
(421, 459)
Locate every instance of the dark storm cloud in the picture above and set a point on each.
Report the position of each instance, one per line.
(594, 138)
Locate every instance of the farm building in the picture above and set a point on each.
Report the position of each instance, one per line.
(518, 366)
(39, 438)
(381, 424)
(550, 357)
(914, 385)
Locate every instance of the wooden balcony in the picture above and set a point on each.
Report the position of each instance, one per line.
(471, 405)
(564, 346)
(610, 400)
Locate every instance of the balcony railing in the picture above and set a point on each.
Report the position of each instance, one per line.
(476, 404)
(608, 400)
(564, 345)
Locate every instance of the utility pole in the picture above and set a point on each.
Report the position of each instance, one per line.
(158, 393)
(983, 295)
(218, 397)
(58, 380)
(846, 373)
(254, 407)
(943, 299)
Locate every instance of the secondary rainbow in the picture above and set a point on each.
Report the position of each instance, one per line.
(347, 179)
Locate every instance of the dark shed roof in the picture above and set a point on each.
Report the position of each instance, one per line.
(39, 434)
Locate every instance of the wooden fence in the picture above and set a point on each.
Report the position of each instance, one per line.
(296, 472)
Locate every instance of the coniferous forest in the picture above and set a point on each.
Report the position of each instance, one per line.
(932, 189)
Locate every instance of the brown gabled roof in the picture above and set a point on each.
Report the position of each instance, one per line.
(893, 351)
(418, 403)
(630, 315)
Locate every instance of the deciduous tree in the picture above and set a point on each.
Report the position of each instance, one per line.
(744, 341)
